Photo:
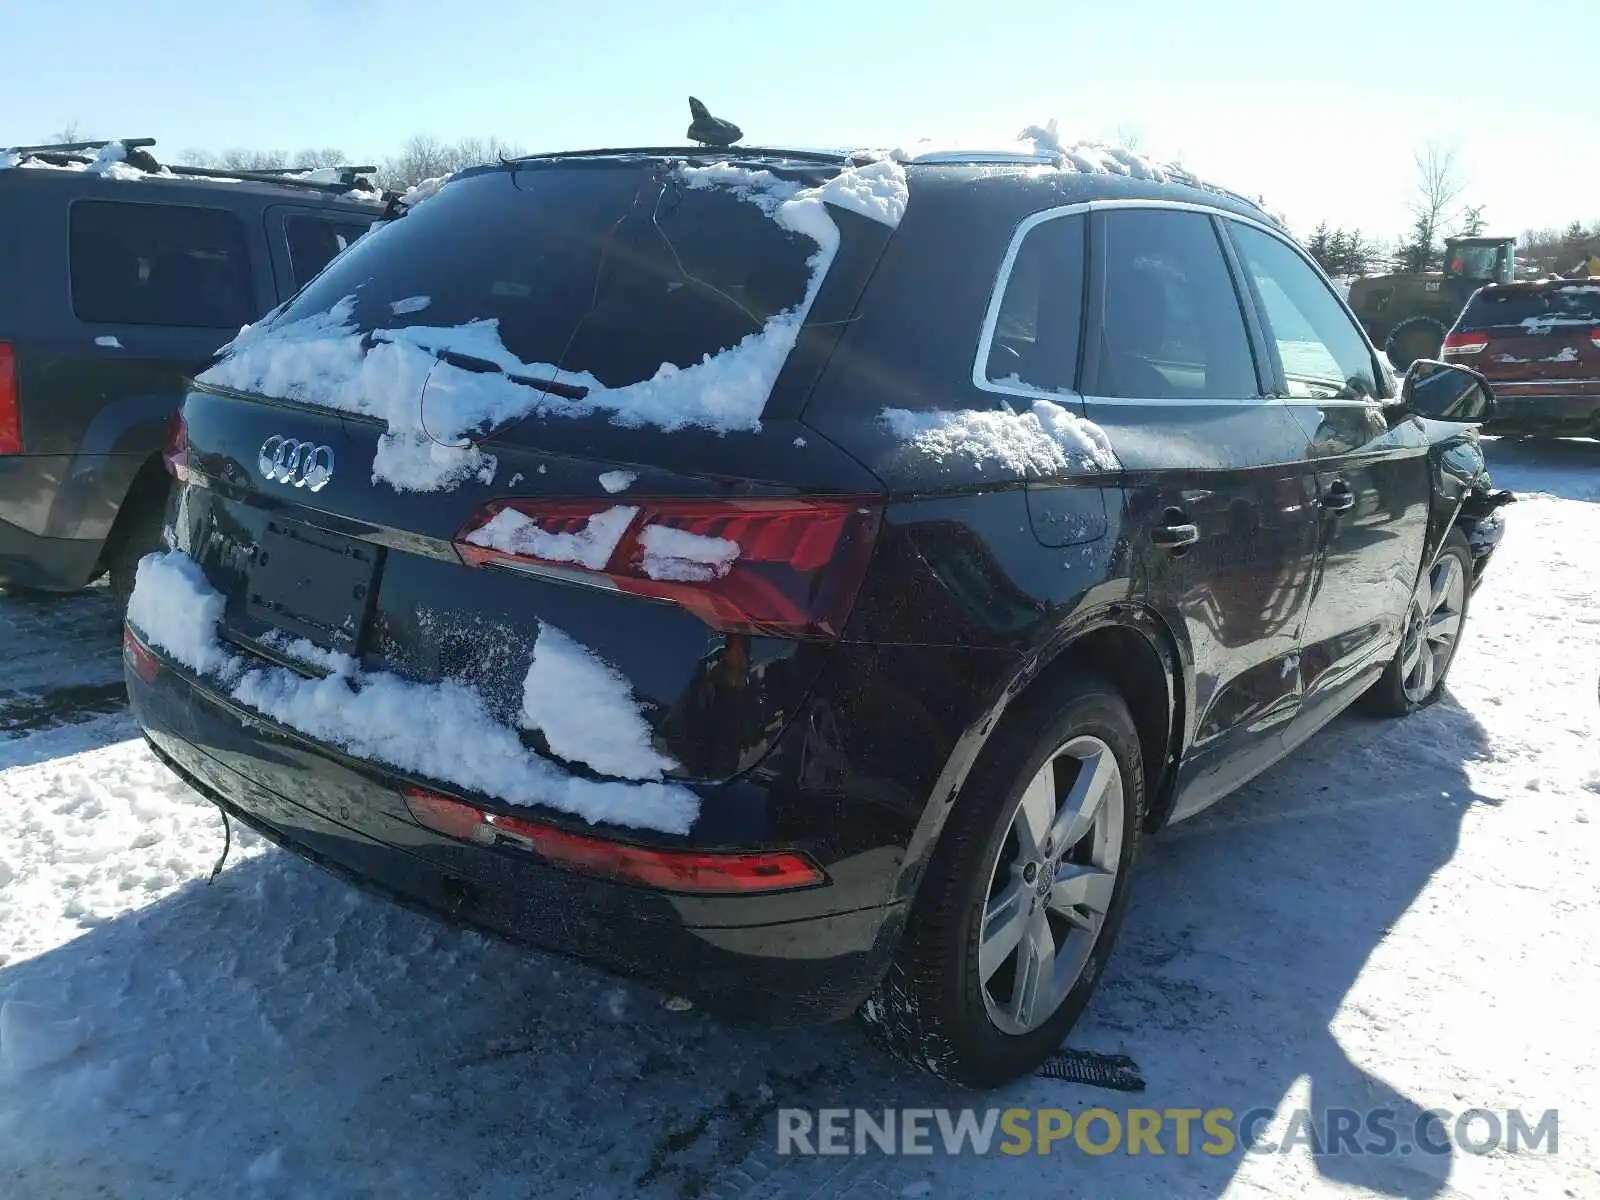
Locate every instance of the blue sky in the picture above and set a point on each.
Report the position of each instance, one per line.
(1315, 107)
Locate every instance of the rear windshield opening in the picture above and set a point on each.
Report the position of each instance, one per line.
(608, 269)
(1575, 304)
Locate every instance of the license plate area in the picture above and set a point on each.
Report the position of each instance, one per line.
(312, 585)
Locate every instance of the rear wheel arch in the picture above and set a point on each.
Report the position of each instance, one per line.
(141, 514)
(1134, 651)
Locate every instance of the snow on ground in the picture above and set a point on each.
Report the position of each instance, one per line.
(1403, 914)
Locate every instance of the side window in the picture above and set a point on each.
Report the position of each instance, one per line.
(314, 242)
(1322, 353)
(159, 264)
(1171, 326)
(1037, 333)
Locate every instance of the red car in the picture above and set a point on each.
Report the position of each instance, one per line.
(1538, 344)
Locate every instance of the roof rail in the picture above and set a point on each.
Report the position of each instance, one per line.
(350, 178)
(70, 147)
(830, 157)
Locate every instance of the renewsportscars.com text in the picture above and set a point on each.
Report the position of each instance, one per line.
(1162, 1131)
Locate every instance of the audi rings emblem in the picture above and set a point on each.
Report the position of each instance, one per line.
(300, 464)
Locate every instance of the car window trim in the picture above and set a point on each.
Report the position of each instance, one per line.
(244, 241)
(1091, 317)
(997, 294)
(1096, 304)
(1378, 374)
(1270, 377)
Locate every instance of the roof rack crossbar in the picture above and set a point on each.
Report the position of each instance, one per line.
(830, 158)
(347, 178)
(70, 147)
(344, 172)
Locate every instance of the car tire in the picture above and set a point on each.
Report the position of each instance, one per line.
(139, 533)
(1415, 676)
(1069, 763)
(1405, 343)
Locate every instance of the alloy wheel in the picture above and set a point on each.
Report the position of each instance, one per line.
(1051, 885)
(1433, 623)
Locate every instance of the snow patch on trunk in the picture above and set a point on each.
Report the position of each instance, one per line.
(691, 557)
(1047, 439)
(430, 408)
(442, 731)
(618, 481)
(177, 610)
(510, 532)
(586, 710)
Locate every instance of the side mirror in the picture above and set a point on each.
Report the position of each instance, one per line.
(1444, 391)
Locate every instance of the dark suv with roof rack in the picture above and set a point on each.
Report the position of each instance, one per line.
(119, 278)
(800, 580)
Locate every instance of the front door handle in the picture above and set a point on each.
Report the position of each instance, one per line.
(1338, 498)
(1175, 530)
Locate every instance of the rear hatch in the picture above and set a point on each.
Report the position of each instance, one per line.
(531, 439)
(1532, 338)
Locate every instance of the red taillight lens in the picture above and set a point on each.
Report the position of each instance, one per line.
(176, 452)
(10, 402)
(669, 870)
(1465, 343)
(788, 568)
(134, 652)
(1594, 336)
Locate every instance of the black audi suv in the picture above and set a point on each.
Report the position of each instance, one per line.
(799, 580)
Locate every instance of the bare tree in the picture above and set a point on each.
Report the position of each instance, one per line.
(327, 156)
(423, 157)
(1472, 222)
(1436, 188)
(68, 133)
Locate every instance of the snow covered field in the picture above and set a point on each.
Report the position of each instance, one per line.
(1404, 915)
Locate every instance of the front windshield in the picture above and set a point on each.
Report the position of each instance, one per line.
(1475, 262)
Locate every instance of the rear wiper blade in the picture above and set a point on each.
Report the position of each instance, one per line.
(483, 366)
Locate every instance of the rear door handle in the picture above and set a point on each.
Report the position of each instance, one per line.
(1175, 530)
(1338, 498)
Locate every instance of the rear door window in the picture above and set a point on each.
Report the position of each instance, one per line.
(314, 242)
(1322, 353)
(1171, 327)
(159, 264)
(1038, 325)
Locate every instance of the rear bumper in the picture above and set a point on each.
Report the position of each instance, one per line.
(781, 958)
(50, 564)
(1568, 410)
(56, 511)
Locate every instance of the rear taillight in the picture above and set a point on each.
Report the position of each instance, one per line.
(176, 452)
(1465, 343)
(138, 657)
(788, 568)
(1594, 336)
(10, 402)
(690, 871)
